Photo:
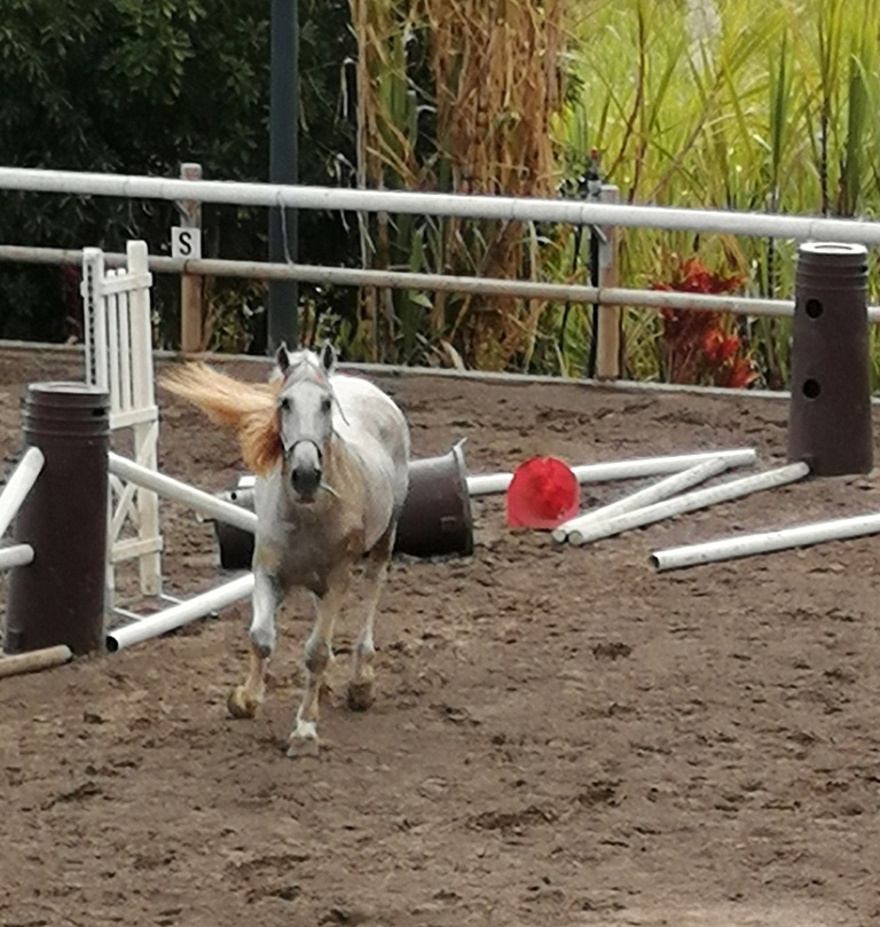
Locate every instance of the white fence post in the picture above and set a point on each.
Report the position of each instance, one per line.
(119, 358)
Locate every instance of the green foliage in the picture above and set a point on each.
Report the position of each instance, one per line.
(130, 87)
(728, 104)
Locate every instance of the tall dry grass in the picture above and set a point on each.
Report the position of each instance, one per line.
(456, 96)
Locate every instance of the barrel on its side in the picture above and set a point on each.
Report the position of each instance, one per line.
(436, 520)
(59, 598)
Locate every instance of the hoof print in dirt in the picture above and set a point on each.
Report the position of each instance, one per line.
(611, 650)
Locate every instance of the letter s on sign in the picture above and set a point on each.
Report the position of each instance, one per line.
(186, 242)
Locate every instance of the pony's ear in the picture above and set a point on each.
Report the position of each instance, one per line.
(328, 357)
(282, 358)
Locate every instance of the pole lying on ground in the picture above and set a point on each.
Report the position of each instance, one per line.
(19, 485)
(656, 492)
(34, 660)
(690, 502)
(484, 484)
(16, 555)
(765, 542)
(197, 499)
(178, 615)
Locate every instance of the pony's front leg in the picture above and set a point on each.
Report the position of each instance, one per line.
(318, 653)
(244, 700)
(360, 688)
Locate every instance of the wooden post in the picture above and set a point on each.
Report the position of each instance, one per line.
(192, 317)
(609, 342)
(44, 658)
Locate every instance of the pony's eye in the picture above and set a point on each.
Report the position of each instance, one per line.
(284, 404)
(326, 403)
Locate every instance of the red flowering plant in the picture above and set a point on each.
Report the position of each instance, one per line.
(702, 346)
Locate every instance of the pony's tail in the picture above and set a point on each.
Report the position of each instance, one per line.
(247, 408)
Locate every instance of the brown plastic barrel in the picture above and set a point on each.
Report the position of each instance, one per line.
(236, 545)
(436, 520)
(829, 423)
(59, 597)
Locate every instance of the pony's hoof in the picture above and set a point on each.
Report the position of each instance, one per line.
(359, 695)
(240, 704)
(302, 746)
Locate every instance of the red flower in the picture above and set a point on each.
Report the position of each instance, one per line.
(701, 347)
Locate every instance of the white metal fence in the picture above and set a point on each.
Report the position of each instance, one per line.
(466, 206)
(500, 208)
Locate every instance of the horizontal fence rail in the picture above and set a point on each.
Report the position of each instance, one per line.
(465, 206)
(351, 276)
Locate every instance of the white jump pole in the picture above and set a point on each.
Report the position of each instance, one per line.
(20, 484)
(17, 555)
(607, 471)
(690, 502)
(765, 542)
(178, 615)
(197, 499)
(656, 492)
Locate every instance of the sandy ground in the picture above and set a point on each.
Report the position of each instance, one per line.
(561, 735)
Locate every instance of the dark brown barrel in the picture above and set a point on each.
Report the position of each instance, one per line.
(59, 597)
(236, 545)
(436, 520)
(829, 424)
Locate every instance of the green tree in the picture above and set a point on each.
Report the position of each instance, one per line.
(135, 87)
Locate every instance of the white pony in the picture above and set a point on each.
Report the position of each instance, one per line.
(330, 453)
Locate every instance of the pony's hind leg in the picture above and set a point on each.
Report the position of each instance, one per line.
(360, 688)
(244, 700)
(318, 653)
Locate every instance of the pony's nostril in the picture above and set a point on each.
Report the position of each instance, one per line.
(305, 480)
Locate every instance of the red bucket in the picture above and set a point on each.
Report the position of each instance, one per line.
(543, 493)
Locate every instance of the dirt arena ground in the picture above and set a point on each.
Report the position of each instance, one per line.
(562, 736)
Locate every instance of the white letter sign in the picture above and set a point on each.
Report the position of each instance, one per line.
(186, 242)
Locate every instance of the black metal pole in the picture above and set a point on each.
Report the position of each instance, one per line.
(283, 156)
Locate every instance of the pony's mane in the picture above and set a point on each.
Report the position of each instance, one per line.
(248, 408)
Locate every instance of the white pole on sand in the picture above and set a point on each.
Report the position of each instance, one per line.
(634, 468)
(764, 542)
(179, 615)
(689, 502)
(670, 486)
(16, 555)
(19, 485)
(197, 499)
(34, 660)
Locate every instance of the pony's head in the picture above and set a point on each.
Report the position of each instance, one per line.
(305, 417)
